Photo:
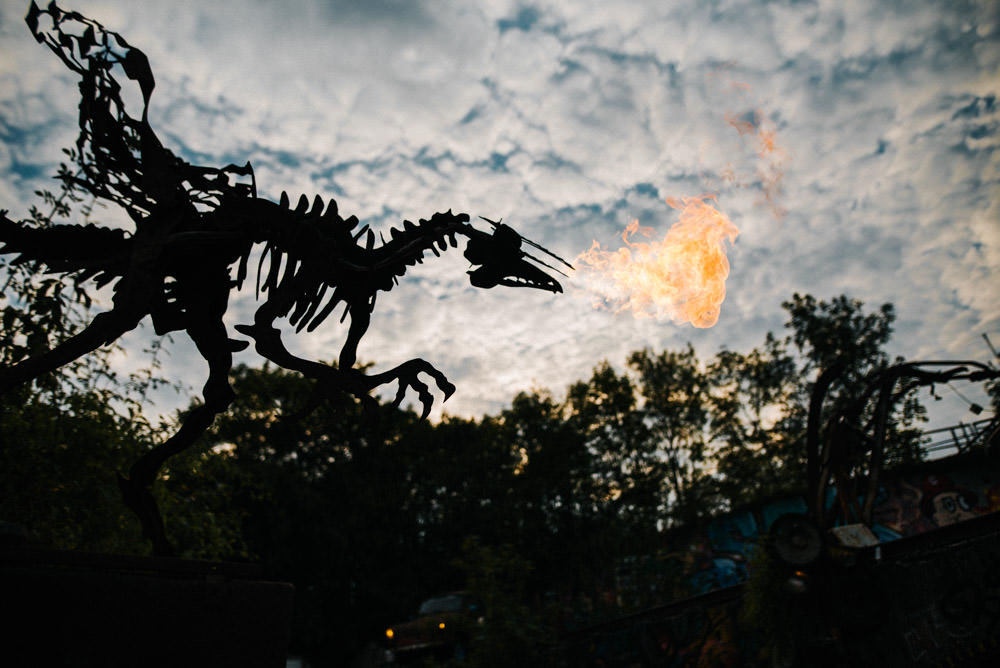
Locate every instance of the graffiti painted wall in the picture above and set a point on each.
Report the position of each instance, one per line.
(935, 605)
(909, 503)
(931, 604)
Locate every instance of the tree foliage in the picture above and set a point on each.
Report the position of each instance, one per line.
(65, 435)
(369, 512)
(758, 421)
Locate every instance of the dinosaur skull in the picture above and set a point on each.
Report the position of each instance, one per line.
(502, 262)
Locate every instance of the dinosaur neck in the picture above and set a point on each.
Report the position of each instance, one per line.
(407, 247)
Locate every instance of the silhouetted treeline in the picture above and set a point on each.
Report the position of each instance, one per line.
(368, 512)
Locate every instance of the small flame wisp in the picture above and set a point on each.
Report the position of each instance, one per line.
(682, 277)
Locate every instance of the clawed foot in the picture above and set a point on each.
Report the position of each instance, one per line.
(407, 375)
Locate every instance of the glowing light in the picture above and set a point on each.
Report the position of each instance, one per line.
(682, 277)
(441, 625)
(389, 634)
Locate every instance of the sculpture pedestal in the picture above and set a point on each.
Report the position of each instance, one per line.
(78, 609)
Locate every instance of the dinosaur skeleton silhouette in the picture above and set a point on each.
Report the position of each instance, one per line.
(193, 224)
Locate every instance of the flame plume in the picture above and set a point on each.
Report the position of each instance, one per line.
(682, 277)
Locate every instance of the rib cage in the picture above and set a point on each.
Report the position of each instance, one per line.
(310, 251)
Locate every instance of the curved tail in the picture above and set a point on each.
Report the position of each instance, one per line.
(120, 158)
(86, 251)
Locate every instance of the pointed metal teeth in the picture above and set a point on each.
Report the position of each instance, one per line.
(283, 202)
(317, 208)
(303, 204)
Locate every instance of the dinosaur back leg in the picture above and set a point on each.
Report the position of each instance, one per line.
(210, 336)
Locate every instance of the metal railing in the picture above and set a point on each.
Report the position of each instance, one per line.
(959, 438)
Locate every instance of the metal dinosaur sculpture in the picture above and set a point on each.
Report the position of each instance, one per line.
(193, 224)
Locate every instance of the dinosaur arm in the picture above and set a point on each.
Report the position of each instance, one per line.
(343, 378)
(268, 344)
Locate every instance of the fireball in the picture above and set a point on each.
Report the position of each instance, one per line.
(681, 277)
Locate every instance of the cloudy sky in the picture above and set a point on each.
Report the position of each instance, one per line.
(569, 120)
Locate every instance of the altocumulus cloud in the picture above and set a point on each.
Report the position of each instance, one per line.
(569, 119)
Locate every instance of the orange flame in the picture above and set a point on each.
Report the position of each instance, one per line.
(682, 277)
